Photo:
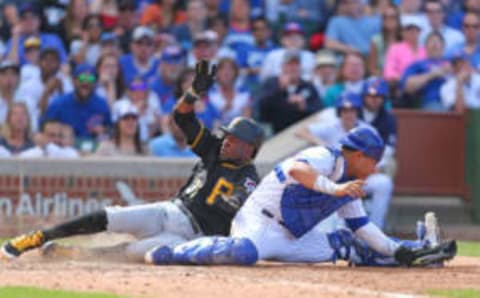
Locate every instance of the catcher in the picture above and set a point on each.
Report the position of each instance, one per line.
(205, 205)
(280, 220)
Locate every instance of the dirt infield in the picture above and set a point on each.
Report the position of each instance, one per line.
(264, 280)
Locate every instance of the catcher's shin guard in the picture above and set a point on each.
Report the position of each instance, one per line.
(206, 251)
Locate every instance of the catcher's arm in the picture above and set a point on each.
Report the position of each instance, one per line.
(310, 178)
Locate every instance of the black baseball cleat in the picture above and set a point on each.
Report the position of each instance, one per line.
(440, 253)
(18, 245)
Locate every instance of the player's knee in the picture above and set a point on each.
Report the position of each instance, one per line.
(244, 251)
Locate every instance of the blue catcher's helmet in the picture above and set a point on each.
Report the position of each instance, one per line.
(366, 140)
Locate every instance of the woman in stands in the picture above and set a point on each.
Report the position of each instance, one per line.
(125, 139)
(16, 133)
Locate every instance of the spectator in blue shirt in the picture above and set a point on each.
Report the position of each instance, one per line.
(140, 62)
(196, 23)
(253, 57)
(353, 31)
(171, 144)
(455, 18)
(29, 25)
(171, 64)
(239, 36)
(82, 109)
(471, 46)
(422, 80)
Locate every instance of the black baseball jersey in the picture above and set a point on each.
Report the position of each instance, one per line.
(216, 189)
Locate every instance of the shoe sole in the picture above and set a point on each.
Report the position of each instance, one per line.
(446, 252)
(5, 255)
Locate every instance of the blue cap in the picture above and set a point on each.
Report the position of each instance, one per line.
(172, 54)
(292, 27)
(83, 68)
(108, 37)
(376, 87)
(348, 101)
(366, 140)
(456, 55)
(28, 7)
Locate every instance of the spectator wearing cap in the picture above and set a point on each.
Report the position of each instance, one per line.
(378, 186)
(339, 35)
(171, 64)
(126, 23)
(171, 144)
(9, 78)
(292, 40)
(140, 62)
(107, 10)
(403, 53)
(286, 99)
(325, 71)
(239, 36)
(227, 96)
(422, 80)
(87, 48)
(163, 14)
(471, 47)
(49, 143)
(16, 135)
(125, 139)
(251, 60)
(86, 112)
(374, 113)
(109, 44)
(111, 84)
(195, 23)
(411, 11)
(31, 69)
(206, 46)
(29, 25)
(390, 34)
(350, 79)
(436, 16)
(40, 88)
(148, 107)
(461, 91)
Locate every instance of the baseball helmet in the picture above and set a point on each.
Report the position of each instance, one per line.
(348, 101)
(366, 140)
(246, 130)
(376, 87)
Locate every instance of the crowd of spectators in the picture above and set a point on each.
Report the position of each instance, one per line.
(100, 77)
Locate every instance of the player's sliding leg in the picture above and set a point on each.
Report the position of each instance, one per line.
(88, 224)
(206, 251)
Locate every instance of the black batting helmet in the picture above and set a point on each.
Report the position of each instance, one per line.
(246, 130)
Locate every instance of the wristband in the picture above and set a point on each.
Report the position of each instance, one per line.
(325, 185)
(190, 97)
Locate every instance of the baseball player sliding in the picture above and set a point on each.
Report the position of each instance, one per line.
(205, 205)
(279, 221)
